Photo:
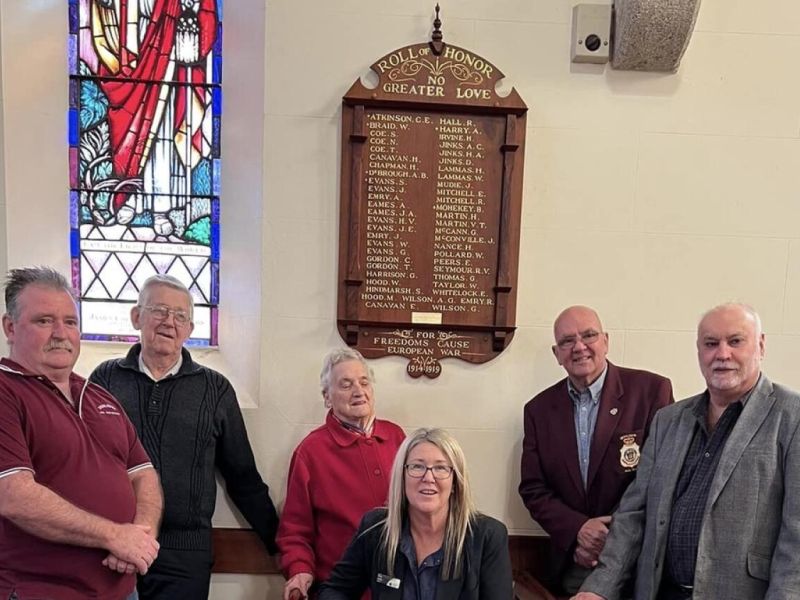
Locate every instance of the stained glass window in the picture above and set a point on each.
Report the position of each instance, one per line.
(144, 130)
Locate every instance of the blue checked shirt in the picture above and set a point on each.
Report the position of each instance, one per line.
(691, 492)
(586, 405)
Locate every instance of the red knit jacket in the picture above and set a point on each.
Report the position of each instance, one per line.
(334, 478)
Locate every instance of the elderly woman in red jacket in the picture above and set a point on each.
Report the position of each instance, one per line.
(338, 472)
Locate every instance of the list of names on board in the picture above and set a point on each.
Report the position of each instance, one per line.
(431, 243)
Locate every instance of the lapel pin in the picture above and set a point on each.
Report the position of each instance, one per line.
(614, 411)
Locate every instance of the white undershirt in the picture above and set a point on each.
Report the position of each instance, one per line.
(173, 370)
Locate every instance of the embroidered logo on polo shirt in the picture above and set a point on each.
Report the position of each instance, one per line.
(108, 409)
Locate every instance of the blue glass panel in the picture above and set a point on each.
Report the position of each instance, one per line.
(214, 283)
(75, 273)
(192, 343)
(94, 104)
(216, 101)
(72, 53)
(215, 137)
(201, 178)
(75, 243)
(74, 92)
(215, 179)
(216, 76)
(74, 203)
(218, 42)
(143, 220)
(73, 126)
(74, 23)
(214, 232)
(215, 242)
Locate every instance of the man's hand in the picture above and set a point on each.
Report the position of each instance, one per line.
(120, 566)
(298, 584)
(587, 596)
(134, 544)
(592, 536)
(584, 558)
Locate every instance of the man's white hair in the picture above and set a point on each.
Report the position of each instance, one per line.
(749, 310)
(335, 357)
(166, 281)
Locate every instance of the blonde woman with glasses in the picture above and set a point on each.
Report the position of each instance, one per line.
(430, 543)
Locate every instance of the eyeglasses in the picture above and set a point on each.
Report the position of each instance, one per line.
(418, 470)
(162, 313)
(587, 337)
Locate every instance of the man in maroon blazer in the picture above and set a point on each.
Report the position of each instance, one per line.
(583, 437)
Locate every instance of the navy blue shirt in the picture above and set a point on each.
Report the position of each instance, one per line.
(691, 492)
(423, 580)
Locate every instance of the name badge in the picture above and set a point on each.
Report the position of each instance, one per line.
(392, 582)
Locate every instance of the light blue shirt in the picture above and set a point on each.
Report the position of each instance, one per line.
(586, 405)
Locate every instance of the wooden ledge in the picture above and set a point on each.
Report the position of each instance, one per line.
(240, 551)
(527, 587)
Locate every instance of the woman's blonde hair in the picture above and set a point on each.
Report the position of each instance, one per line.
(461, 509)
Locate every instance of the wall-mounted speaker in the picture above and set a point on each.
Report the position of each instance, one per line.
(651, 35)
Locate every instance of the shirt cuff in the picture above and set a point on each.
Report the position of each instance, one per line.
(140, 467)
(13, 470)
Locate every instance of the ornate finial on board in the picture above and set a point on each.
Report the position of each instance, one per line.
(436, 42)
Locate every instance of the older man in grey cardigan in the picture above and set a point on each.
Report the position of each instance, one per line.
(714, 512)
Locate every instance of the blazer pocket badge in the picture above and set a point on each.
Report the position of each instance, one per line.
(629, 453)
(392, 582)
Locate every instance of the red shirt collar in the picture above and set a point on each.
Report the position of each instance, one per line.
(18, 369)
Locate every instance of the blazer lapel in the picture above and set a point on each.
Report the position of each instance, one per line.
(563, 415)
(755, 411)
(680, 440)
(606, 424)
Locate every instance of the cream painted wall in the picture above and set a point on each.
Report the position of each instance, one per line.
(648, 196)
(3, 263)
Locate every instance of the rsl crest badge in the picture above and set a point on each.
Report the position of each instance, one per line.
(629, 452)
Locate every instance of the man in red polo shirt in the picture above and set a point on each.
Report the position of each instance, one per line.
(79, 500)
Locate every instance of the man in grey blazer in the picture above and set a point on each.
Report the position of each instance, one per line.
(714, 511)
